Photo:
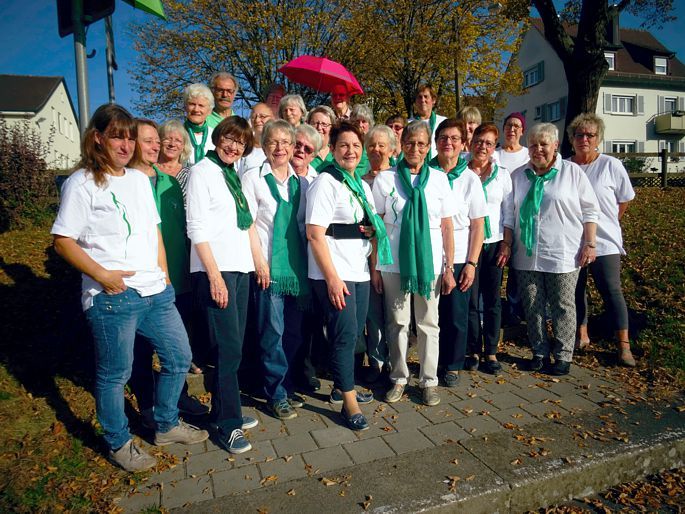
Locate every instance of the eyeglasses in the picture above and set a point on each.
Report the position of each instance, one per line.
(415, 144)
(583, 135)
(301, 146)
(396, 127)
(283, 143)
(220, 91)
(262, 116)
(513, 126)
(451, 139)
(483, 142)
(167, 140)
(320, 124)
(230, 141)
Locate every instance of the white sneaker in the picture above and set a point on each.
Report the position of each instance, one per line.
(131, 458)
(182, 433)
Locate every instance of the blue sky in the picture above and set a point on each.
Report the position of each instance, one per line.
(31, 46)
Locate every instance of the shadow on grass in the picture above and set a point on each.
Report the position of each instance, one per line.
(45, 337)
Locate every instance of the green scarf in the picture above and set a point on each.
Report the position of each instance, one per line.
(192, 129)
(452, 174)
(288, 257)
(354, 184)
(531, 206)
(233, 182)
(493, 176)
(416, 255)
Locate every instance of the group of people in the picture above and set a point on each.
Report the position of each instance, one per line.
(325, 222)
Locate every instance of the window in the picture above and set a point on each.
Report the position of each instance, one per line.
(623, 104)
(553, 111)
(611, 59)
(670, 104)
(623, 146)
(538, 112)
(660, 65)
(534, 75)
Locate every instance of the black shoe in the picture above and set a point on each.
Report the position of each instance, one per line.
(492, 367)
(191, 406)
(371, 374)
(313, 383)
(560, 368)
(471, 363)
(536, 364)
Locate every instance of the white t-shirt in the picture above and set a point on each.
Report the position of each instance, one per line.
(198, 138)
(390, 199)
(512, 160)
(116, 225)
(330, 201)
(250, 162)
(498, 195)
(469, 200)
(568, 202)
(211, 218)
(612, 186)
(263, 206)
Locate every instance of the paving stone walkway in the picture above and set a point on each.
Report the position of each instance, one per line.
(315, 443)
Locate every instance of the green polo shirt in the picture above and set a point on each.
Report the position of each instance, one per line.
(215, 118)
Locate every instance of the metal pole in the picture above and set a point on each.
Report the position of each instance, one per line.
(664, 167)
(457, 83)
(81, 66)
(111, 62)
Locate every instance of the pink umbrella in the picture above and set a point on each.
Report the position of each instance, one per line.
(321, 74)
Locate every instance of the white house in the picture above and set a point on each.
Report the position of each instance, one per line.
(641, 99)
(45, 105)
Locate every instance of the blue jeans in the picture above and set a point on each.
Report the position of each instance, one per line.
(343, 328)
(114, 321)
(278, 328)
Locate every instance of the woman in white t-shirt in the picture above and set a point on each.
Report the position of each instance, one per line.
(416, 206)
(552, 226)
(107, 228)
(340, 221)
(221, 231)
(487, 283)
(198, 102)
(512, 154)
(259, 117)
(611, 184)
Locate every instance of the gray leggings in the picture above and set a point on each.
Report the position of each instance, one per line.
(606, 272)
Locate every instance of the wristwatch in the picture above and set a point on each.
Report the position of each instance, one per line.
(474, 264)
(591, 244)
(451, 268)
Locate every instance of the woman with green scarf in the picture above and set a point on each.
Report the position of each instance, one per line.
(415, 203)
(551, 228)
(198, 102)
(341, 221)
(224, 244)
(483, 337)
(466, 194)
(276, 196)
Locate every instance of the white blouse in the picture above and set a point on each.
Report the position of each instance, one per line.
(498, 199)
(568, 202)
(469, 200)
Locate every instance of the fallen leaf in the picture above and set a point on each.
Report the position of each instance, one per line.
(516, 462)
(327, 481)
(267, 479)
(454, 461)
(291, 492)
(288, 458)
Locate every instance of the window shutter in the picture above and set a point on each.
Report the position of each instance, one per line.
(607, 102)
(661, 104)
(562, 106)
(544, 110)
(662, 144)
(640, 146)
(541, 71)
(681, 147)
(681, 103)
(607, 146)
(640, 104)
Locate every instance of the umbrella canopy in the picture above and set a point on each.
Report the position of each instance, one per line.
(150, 6)
(321, 74)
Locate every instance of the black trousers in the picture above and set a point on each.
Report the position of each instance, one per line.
(486, 284)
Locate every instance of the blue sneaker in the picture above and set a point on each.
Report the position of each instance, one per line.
(236, 443)
(249, 422)
(355, 422)
(362, 398)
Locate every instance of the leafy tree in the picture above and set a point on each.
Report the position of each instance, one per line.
(583, 56)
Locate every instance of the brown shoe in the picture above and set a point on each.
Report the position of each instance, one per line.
(625, 357)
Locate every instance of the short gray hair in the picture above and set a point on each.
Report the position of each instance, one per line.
(222, 75)
(325, 110)
(292, 99)
(362, 112)
(470, 113)
(414, 127)
(273, 126)
(312, 134)
(586, 118)
(386, 131)
(547, 132)
(176, 126)
(198, 90)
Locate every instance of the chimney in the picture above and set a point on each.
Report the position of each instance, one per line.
(614, 29)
